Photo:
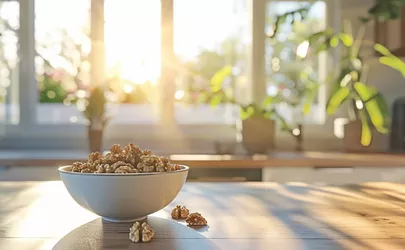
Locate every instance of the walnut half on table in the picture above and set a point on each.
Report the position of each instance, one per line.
(141, 233)
(196, 219)
(180, 212)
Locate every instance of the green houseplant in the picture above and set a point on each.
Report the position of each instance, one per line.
(385, 10)
(367, 108)
(93, 107)
(258, 120)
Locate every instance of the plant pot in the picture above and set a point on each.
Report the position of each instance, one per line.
(95, 138)
(258, 135)
(352, 139)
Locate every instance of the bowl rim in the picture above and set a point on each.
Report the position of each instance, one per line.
(63, 170)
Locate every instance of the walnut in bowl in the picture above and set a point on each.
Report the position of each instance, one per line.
(114, 189)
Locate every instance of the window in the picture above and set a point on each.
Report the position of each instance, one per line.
(208, 36)
(157, 52)
(9, 95)
(63, 45)
(291, 67)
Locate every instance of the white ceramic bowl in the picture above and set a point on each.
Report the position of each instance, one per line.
(123, 197)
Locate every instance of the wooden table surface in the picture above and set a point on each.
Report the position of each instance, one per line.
(248, 216)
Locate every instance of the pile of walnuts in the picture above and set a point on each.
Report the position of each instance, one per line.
(142, 232)
(193, 219)
(131, 159)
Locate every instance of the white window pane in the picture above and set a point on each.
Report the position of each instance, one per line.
(9, 25)
(209, 35)
(132, 45)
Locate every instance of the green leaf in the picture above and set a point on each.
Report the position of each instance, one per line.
(292, 16)
(322, 35)
(364, 19)
(334, 41)
(203, 98)
(268, 101)
(284, 124)
(247, 112)
(389, 59)
(365, 130)
(394, 62)
(354, 50)
(306, 108)
(346, 39)
(382, 50)
(216, 100)
(219, 77)
(309, 100)
(322, 47)
(382, 103)
(337, 99)
(367, 94)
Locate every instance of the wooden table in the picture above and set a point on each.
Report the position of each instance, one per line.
(42, 215)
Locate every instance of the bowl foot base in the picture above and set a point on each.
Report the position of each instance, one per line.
(119, 220)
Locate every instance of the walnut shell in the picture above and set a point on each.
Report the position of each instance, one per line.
(196, 219)
(180, 212)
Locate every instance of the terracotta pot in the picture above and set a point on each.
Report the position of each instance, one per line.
(258, 135)
(352, 139)
(95, 138)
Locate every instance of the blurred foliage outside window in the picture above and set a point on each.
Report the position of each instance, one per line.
(292, 67)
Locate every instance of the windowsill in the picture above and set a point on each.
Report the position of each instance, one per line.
(134, 114)
(180, 139)
(197, 130)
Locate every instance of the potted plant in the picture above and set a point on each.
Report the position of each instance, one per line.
(258, 122)
(259, 125)
(367, 108)
(93, 106)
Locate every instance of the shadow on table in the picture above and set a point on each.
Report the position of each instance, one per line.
(99, 234)
(295, 210)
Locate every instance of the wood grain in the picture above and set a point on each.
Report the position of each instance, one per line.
(42, 215)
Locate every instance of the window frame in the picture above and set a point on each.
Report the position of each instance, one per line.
(29, 129)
